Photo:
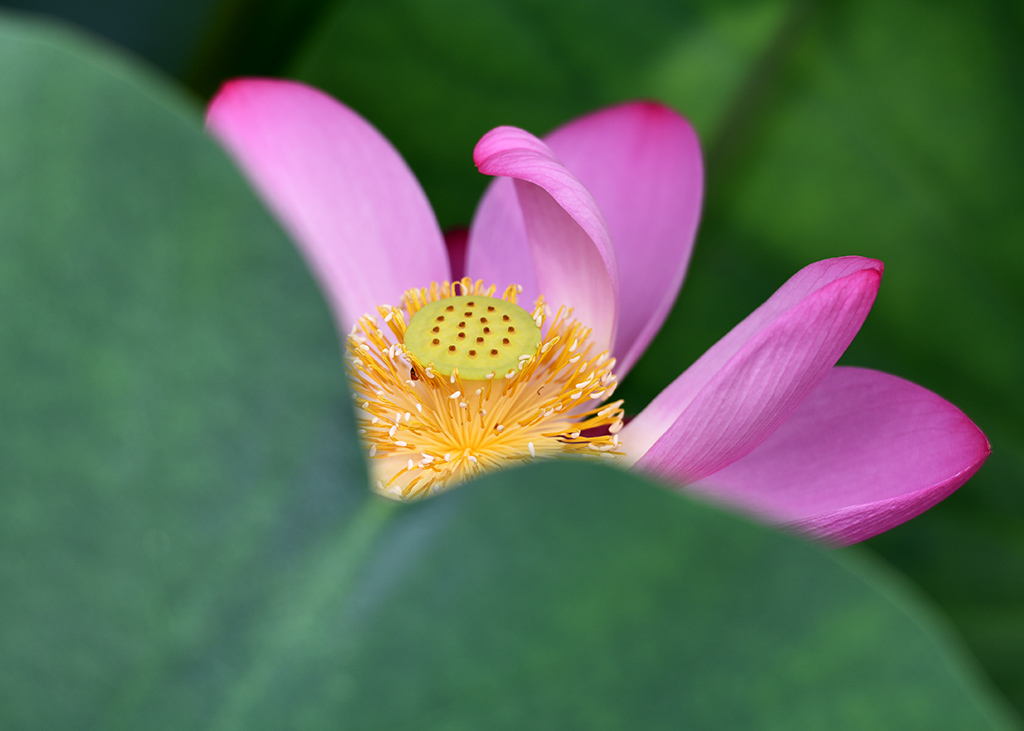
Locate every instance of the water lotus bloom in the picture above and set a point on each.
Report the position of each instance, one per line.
(511, 350)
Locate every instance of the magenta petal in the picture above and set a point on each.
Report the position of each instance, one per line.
(568, 239)
(497, 249)
(642, 163)
(338, 187)
(864, 452)
(748, 383)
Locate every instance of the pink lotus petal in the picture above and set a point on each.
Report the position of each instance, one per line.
(642, 163)
(864, 452)
(497, 249)
(746, 385)
(568, 238)
(337, 186)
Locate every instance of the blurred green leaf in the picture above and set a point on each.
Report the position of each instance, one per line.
(866, 127)
(186, 534)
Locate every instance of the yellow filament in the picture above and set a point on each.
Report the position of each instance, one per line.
(427, 430)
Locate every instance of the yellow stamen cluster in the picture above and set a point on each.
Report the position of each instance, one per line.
(427, 431)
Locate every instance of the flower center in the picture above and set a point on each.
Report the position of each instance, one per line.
(475, 383)
(475, 334)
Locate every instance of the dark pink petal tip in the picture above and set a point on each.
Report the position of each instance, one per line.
(864, 452)
(340, 189)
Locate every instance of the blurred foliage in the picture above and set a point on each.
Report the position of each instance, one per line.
(867, 127)
(251, 38)
(166, 33)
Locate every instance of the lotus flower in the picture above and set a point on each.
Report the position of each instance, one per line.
(592, 228)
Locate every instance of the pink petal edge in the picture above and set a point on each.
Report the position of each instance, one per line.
(497, 248)
(338, 187)
(568, 239)
(864, 452)
(746, 385)
(642, 163)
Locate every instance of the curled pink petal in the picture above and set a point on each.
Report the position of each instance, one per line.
(864, 452)
(642, 163)
(338, 187)
(568, 238)
(745, 386)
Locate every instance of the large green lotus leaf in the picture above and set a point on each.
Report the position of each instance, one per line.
(188, 543)
(174, 419)
(573, 596)
(867, 127)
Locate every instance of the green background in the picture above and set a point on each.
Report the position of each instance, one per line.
(186, 532)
